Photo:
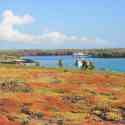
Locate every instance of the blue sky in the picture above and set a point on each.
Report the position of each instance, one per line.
(50, 24)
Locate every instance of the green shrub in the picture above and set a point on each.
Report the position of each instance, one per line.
(114, 116)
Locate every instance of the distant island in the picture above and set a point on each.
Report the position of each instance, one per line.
(97, 53)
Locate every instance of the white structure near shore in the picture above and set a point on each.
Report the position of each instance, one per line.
(26, 62)
(80, 54)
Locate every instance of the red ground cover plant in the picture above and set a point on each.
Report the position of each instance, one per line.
(39, 96)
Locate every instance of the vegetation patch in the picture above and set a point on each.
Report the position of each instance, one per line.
(43, 96)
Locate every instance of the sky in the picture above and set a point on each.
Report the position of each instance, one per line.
(58, 24)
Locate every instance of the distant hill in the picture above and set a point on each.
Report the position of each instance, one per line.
(101, 53)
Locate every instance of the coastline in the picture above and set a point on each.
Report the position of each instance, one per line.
(98, 53)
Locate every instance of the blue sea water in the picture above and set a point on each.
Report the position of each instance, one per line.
(112, 64)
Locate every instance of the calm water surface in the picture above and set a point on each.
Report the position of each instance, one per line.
(114, 64)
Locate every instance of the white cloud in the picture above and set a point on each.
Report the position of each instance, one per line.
(9, 33)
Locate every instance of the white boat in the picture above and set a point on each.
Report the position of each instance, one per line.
(80, 54)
